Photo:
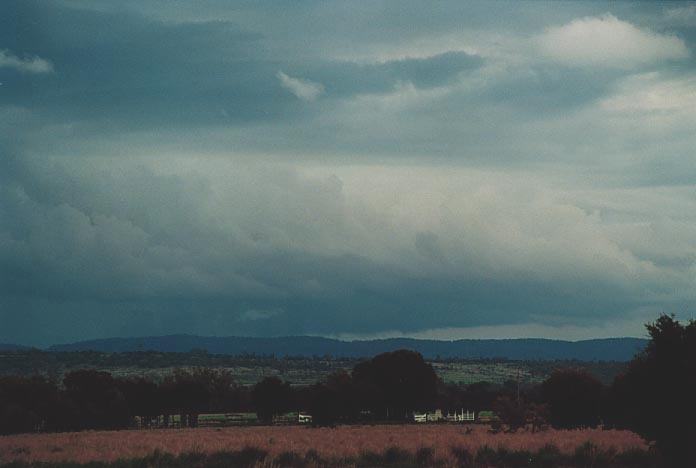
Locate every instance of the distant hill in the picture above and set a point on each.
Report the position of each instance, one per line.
(13, 347)
(611, 349)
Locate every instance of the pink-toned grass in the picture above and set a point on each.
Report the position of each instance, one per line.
(339, 442)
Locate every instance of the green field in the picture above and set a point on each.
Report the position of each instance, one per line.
(247, 370)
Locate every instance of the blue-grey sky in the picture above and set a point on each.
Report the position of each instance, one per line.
(351, 169)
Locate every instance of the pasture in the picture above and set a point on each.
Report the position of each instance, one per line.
(343, 442)
(247, 370)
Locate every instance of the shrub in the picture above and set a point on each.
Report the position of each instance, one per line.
(289, 460)
(548, 457)
(463, 457)
(588, 454)
(395, 455)
(574, 398)
(486, 456)
(637, 458)
(425, 456)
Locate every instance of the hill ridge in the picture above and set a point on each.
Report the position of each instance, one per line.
(598, 349)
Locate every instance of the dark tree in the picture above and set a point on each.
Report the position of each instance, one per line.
(450, 397)
(538, 416)
(656, 396)
(143, 398)
(574, 398)
(394, 384)
(480, 396)
(271, 397)
(27, 404)
(200, 390)
(333, 400)
(221, 389)
(511, 412)
(95, 401)
(184, 395)
(323, 405)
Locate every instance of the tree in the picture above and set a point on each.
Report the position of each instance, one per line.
(221, 389)
(27, 404)
(396, 383)
(95, 401)
(191, 392)
(142, 397)
(655, 396)
(479, 396)
(512, 413)
(333, 400)
(271, 397)
(574, 398)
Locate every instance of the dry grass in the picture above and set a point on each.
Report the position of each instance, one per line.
(343, 441)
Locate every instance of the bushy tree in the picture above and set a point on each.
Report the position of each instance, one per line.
(271, 397)
(91, 399)
(480, 396)
(95, 401)
(333, 400)
(220, 388)
(200, 390)
(656, 396)
(27, 404)
(396, 383)
(511, 412)
(142, 397)
(574, 398)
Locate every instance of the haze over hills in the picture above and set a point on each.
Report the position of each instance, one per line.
(610, 349)
(12, 347)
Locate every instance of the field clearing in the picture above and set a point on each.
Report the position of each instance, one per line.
(247, 370)
(450, 372)
(344, 441)
(467, 373)
(453, 373)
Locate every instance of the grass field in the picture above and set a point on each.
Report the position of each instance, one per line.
(338, 443)
(297, 371)
(494, 372)
(450, 372)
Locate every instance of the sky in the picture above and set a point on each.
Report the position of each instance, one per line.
(348, 169)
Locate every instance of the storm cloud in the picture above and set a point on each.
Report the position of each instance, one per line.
(231, 170)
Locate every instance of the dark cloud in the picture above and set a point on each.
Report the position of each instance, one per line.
(128, 71)
(272, 170)
(120, 248)
(350, 78)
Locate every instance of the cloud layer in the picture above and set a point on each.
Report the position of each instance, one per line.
(27, 65)
(608, 41)
(481, 169)
(303, 89)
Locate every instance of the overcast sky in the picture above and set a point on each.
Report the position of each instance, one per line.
(349, 169)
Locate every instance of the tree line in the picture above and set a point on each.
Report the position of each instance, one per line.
(654, 396)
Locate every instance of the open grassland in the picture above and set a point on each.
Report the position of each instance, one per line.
(445, 443)
(464, 372)
(247, 370)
